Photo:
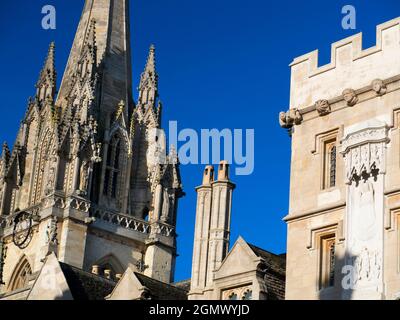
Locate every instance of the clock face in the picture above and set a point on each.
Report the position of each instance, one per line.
(22, 233)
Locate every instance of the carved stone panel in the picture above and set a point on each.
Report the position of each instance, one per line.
(364, 153)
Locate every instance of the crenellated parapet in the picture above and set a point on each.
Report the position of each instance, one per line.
(351, 67)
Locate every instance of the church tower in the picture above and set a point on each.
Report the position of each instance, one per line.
(212, 229)
(88, 177)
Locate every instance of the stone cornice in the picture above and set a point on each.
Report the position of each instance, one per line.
(364, 94)
(314, 212)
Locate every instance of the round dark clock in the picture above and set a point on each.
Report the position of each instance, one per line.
(22, 232)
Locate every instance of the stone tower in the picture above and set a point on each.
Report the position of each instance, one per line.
(88, 177)
(212, 229)
(344, 215)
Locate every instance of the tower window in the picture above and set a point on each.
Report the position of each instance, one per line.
(111, 176)
(146, 214)
(330, 154)
(327, 258)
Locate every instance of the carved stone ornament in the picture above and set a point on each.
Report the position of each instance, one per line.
(350, 96)
(51, 231)
(379, 87)
(323, 107)
(364, 151)
(290, 118)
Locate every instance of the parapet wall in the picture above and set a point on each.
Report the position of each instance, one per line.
(350, 66)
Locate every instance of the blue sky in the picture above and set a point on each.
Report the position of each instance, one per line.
(222, 64)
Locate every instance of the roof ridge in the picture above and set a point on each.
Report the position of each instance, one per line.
(168, 284)
(257, 247)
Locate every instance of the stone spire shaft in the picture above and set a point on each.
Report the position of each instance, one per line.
(113, 52)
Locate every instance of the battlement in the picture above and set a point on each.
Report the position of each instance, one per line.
(350, 66)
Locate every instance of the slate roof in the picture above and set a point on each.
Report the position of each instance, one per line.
(275, 274)
(85, 285)
(162, 291)
(184, 284)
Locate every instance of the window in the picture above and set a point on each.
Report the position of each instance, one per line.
(238, 293)
(145, 214)
(111, 176)
(329, 174)
(20, 277)
(247, 295)
(327, 261)
(233, 296)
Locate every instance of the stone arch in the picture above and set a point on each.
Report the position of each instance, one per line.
(122, 134)
(20, 276)
(110, 262)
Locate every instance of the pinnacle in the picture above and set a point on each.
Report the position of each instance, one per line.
(48, 70)
(151, 60)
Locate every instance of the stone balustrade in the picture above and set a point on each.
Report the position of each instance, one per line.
(133, 223)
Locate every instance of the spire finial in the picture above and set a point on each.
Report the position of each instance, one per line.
(46, 85)
(120, 110)
(148, 88)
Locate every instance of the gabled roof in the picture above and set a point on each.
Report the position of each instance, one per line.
(274, 272)
(162, 291)
(184, 284)
(274, 262)
(136, 286)
(86, 286)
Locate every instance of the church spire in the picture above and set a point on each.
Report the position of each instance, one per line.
(105, 28)
(46, 85)
(148, 88)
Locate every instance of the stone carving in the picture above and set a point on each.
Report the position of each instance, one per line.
(365, 216)
(51, 231)
(379, 87)
(367, 266)
(323, 107)
(364, 152)
(366, 157)
(165, 206)
(97, 153)
(290, 118)
(51, 175)
(84, 176)
(350, 96)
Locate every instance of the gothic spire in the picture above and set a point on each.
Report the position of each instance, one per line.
(46, 85)
(148, 88)
(104, 27)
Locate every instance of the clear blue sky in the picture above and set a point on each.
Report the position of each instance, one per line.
(222, 64)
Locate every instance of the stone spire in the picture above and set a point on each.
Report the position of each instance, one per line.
(46, 85)
(104, 27)
(148, 88)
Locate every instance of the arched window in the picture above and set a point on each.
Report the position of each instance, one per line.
(247, 295)
(20, 277)
(113, 163)
(233, 296)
